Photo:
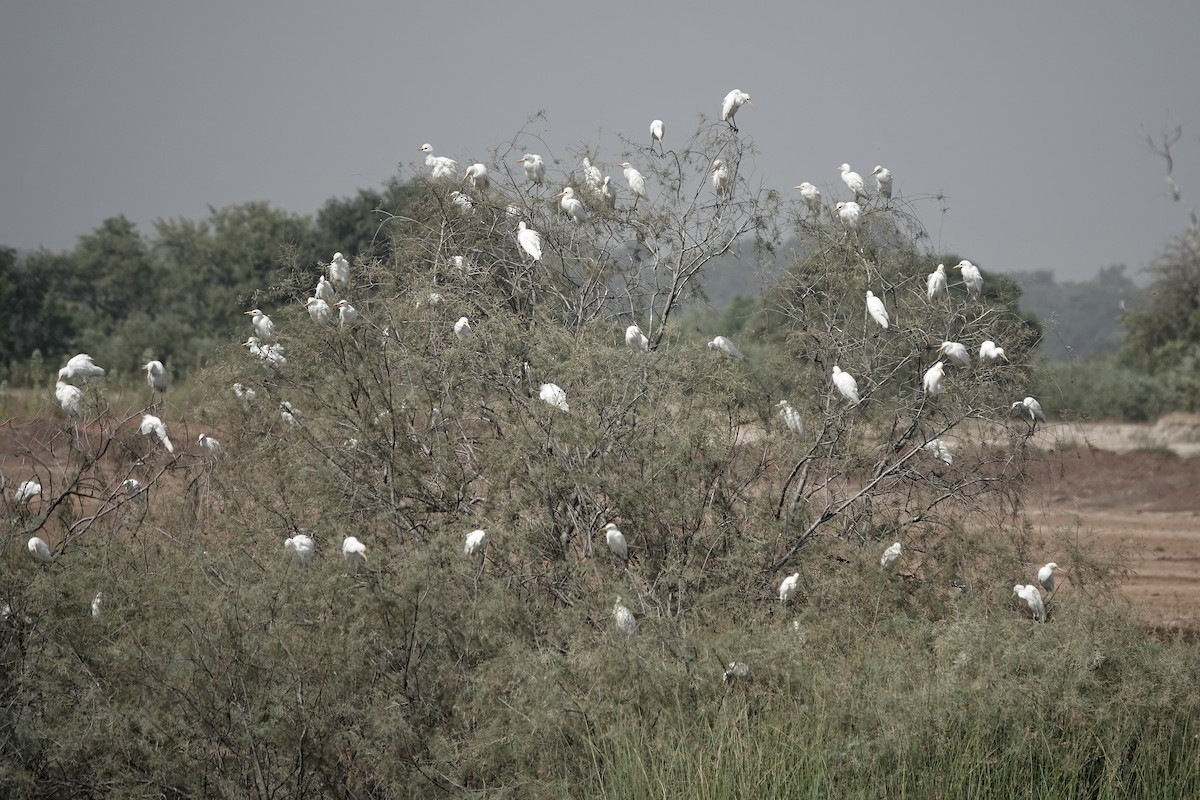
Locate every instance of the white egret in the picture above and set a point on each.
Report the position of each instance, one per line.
(608, 193)
(288, 413)
(571, 205)
(97, 601)
(791, 417)
(635, 340)
(440, 167)
(933, 379)
(720, 178)
(726, 346)
(956, 353)
(876, 309)
(552, 394)
(656, 133)
(134, 490)
(846, 384)
(615, 541)
(153, 425)
(1032, 406)
(318, 309)
(475, 542)
(988, 351)
(324, 290)
(810, 195)
(530, 241)
(890, 555)
(623, 617)
(40, 550)
(354, 551)
(591, 176)
(883, 181)
(80, 366)
(853, 181)
(210, 446)
(27, 491)
(935, 282)
(730, 105)
(1046, 576)
(637, 183)
(347, 314)
(849, 213)
(940, 450)
(339, 272)
(156, 376)
(736, 671)
(477, 176)
(70, 398)
(302, 547)
(535, 167)
(788, 587)
(243, 392)
(1033, 598)
(273, 355)
(264, 329)
(972, 277)
(465, 206)
(462, 328)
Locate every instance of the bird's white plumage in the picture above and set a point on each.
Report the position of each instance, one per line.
(134, 490)
(156, 376)
(940, 450)
(82, 367)
(462, 328)
(440, 167)
(635, 340)
(289, 414)
(324, 290)
(244, 393)
(788, 587)
(615, 540)
(883, 181)
(1032, 406)
(354, 551)
(876, 309)
(725, 345)
(972, 277)
(302, 547)
(624, 619)
(853, 181)
(339, 272)
(810, 195)
(656, 131)
(890, 555)
(347, 314)
(791, 417)
(530, 241)
(535, 167)
(845, 383)
(591, 176)
(97, 602)
(935, 283)
(933, 379)
(988, 351)
(26, 491)
(40, 550)
(70, 398)
(477, 176)
(849, 213)
(152, 425)
(552, 394)
(608, 193)
(474, 543)
(730, 105)
(1033, 598)
(572, 206)
(720, 178)
(318, 310)
(956, 353)
(209, 445)
(635, 180)
(465, 207)
(264, 328)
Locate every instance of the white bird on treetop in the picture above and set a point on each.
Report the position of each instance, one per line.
(475, 542)
(156, 376)
(535, 167)
(635, 340)
(552, 394)
(736, 671)
(726, 346)
(591, 176)
(354, 551)
(1033, 598)
(288, 413)
(876, 310)
(791, 417)
(462, 328)
(623, 617)
(940, 451)
(263, 327)
(656, 133)
(318, 309)
(27, 491)
(849, 212)
(788, 587)
(244, 393)
(324, 290)
(209, 445)
(530, 240)
(465, 206)
(1046, 576)
(302, 546)
(40, 550)
(933, 379)
(477, 176)
(339, 272)
(571, 205)
(846, 384)
(347, 314)
(883, 181)
(153, 425)
(80, 366)
(439, 166)
(637, 183)
(97, 602)
(1032, 406)
(890, 555)
(811, 196)
(853, 181)
(615, 540)
(70, 398)
(730, 105)
(988, 351)
(720, 178)
(608, 193)
(956, 353)
(972, 277)
(935, 284)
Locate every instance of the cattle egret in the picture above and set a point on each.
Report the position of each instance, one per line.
(530, 241)
(474, 544)
(972, 277)
(152, 425)
(956, 353)
(97, 601)
(571, 205)
(354, 551)
(635, 340)
(883, 181)
(156, 376)
(70, 398)
(1032, 406)
(656, 133)
(788, 587)
(790, 417)
(26, 492)
(244, 393)
(933, 379)
(552, 394)
(637, 183)
(288, 413)
(730, 105)
(462, 328)
(720, 178)
(40, 550)
(935, 283)
(890, 555)
(440, 167)
(608, 193)
(210, 446)
(477, 176)
(535, 167)
(853, 181)
(80, 366)
(615, 540)
(726, 346)
(811, 196)
(939, 449)
(318, 310)
(347, 314)
(846, 384)
(736, 671)
(302, 547)
(339, 272)
(623, 617)
(876, 310)
(591, 176)
(264, 329)
(1046, 576)
(849, 213)
(324, 290)
(988, 351)
(465, 206)
(1033, 598)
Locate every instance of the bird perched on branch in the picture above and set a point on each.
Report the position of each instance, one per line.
(354, 551)
(347, 314)
(477, 176)
(1033, 598)
(656, 133)
(972, 277)
(318, 310)
(70, 398)
(152, 425)
(940, 450)
(572, 206)
(933, 379)
(845, 383)
(26, 491)
(615, 541)
(462, 328)
(82, 367)
(552, 394)
(811, 196)
(324, 290)
(720, 178)
(591, 176)
(853, 181)
(883, 181)
(475, 542)
(608, 193)
(623, 618)
(791, 417)
(635, 340)
(440, 167)
(40, 550)
(156, 376)
(637, 183)
(339, 272)
(210, 446)
(788, 587)
(301, 546)
(1032, 406)
(263, 327)
(876, 310)
(1046, 576)
(956, 353)
(935, 283)
(988, 351)
(849, 212)
(890, 555)
(530, 240)
(535, 167)
(730, 105)
(726, 346)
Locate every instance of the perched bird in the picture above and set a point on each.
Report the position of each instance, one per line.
(440, 167)
(853, 181)
(82, 367)
(591, 176)
(810, 195)
(736, 671)
(210, 446)
(956, 353)
(730, 105)
(623, 617)
(97, 601)
(972, 277)
(846, 384)
(615, 540)
(324, 290)
(788, 587)
(462, 328)
(572, 206)
(153, 425)
(318, 309)
(726, 346)
(339, 272)
(720, 178)
(289, 414)
(876, 310)
(637, 183)
(608, 193)
(890, 555)
(244, 393)
(302, 547)
(849, 213)
(40, 550)
(70, 398)
(477, 176)
(354, 551)
(535, 167)
(347, 314)
(883, 181)
(475, 541)
(656, 133)
(1046, 576)
(791, 417)
(935, 283)
(1033, 598)
(264, 329)
(134, 490)
(156, 376)
(27, 491)
(635, 340)
(465, 206)
(552, 394)
(933, 379)
(940, 450)
(530, 241)
(1032, 406)
(988, 351)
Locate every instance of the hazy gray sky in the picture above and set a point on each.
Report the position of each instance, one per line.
(1029, 116)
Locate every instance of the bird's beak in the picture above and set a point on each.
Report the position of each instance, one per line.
(247, 313)
(749, 102)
